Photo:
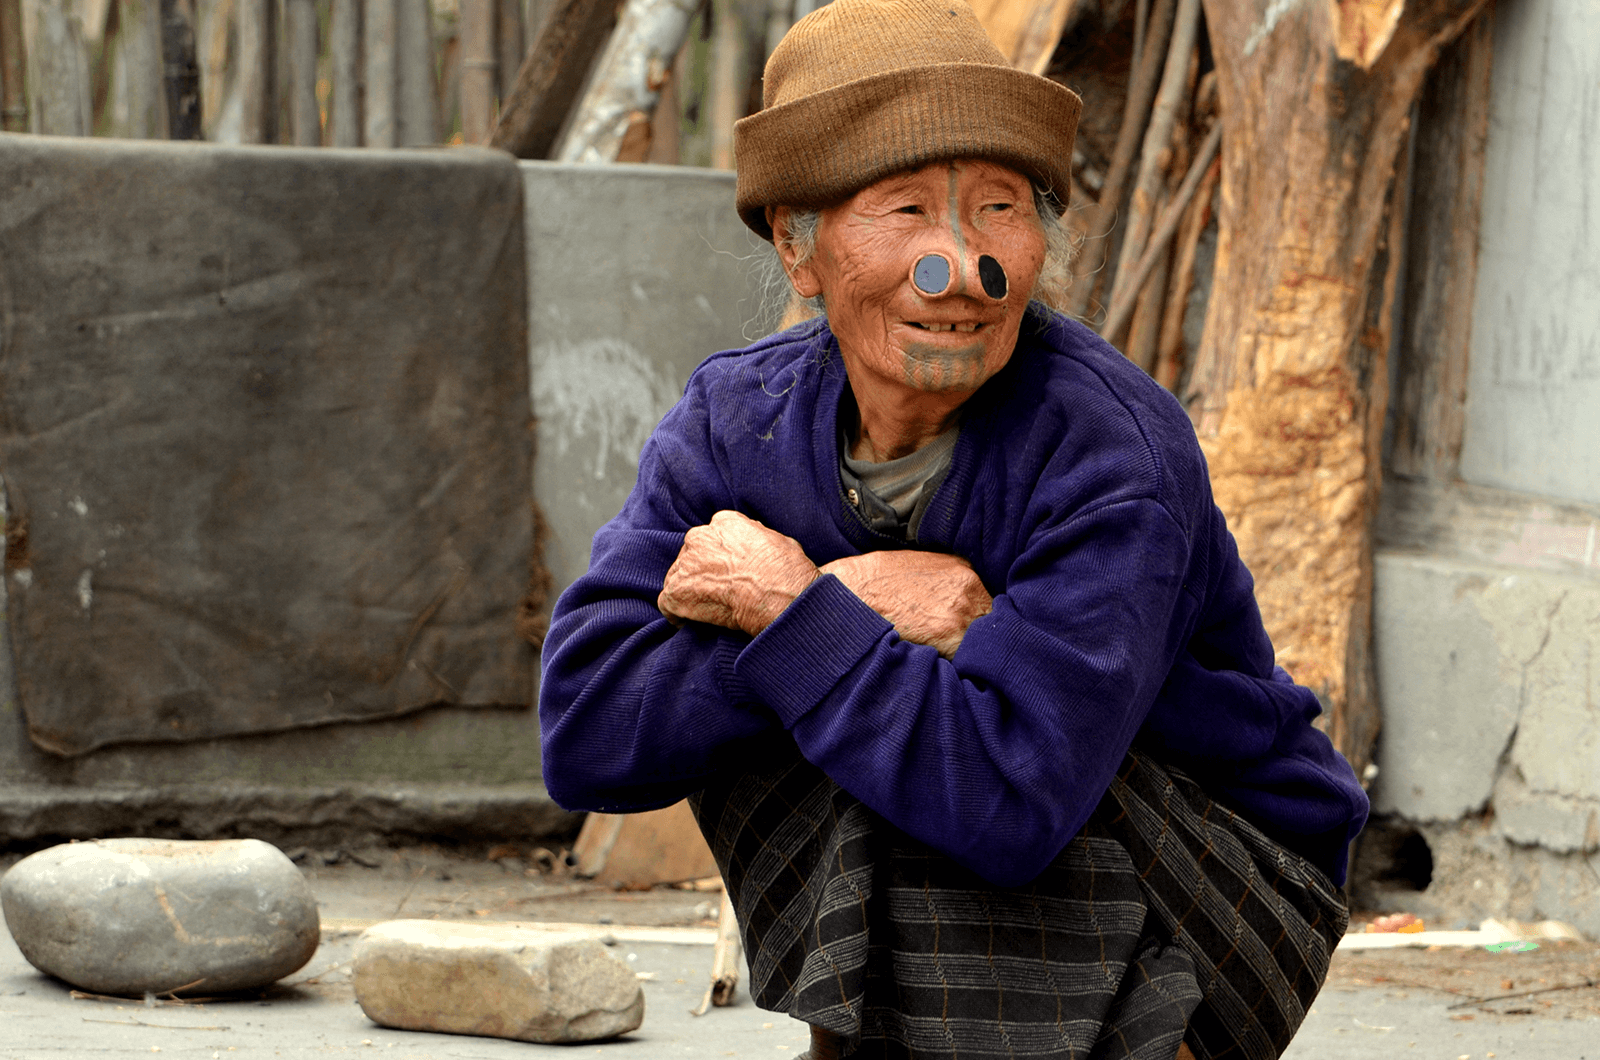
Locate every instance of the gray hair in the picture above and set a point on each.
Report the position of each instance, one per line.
(782, 306)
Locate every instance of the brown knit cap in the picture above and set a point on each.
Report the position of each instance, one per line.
(861, 89)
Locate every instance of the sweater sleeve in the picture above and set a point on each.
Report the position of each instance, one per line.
(997, 757)
(635, 712)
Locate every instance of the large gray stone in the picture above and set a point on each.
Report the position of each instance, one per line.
(494, 980)
(127, 916)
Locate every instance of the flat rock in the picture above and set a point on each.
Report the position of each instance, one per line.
(496, 981)
(130, 916)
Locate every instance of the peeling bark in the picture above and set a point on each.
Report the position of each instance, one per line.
(1289, 387)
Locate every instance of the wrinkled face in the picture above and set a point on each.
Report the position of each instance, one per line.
(926, 274)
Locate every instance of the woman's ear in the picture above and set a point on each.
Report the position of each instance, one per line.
(802, 274)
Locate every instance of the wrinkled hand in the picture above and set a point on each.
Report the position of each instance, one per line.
(930, 597)
(736, 573)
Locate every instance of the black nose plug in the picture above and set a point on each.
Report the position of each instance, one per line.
(993, 277)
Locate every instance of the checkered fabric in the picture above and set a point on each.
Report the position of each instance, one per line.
(1169, 918)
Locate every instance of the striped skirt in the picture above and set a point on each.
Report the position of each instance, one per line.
(1169, 918)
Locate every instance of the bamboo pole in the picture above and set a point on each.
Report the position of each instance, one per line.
(1144, 331)
(417, 105)
(728, 82)
(1158, 135)
(344, 53)
(305, 118)
(1088, 275)
(1127, 292)
(511, 46)
(13, 61)
(627, 84)
(478, 70)
(180, 69)
(258, 67)
(378, 98)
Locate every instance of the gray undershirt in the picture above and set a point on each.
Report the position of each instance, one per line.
(892, 496)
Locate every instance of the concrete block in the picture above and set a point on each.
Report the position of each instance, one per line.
(1448, 686)
(622, 307)
(496, 981)
(129, 916)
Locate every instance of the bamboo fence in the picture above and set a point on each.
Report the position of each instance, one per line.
(635, 80)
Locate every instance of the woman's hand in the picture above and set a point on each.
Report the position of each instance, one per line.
(930, 597)
(736, 573)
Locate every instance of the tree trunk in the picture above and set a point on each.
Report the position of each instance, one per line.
(628, 82)
(1289, 389)
(180, 70)
(344, 54)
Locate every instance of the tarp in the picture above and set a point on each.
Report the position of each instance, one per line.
(264, 435)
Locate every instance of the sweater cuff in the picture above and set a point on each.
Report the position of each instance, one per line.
(797, 660)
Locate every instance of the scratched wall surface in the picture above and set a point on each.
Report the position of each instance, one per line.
(263, 436)
(635, 275)
(1533, 419)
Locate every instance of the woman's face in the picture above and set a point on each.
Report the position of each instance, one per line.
(926, 274)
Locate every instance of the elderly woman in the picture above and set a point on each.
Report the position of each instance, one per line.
(925, 602)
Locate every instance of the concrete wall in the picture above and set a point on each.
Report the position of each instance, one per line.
(1487, 615)
(635, 274)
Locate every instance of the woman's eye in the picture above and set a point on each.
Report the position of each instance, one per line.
(909, 209)
(998, 206)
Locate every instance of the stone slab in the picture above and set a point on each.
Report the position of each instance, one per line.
(494, 981)
(136, 916)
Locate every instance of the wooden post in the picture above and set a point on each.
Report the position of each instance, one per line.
(417, 92)
(378, 28)
(1290, 385)
(344, 52)
(511, 46)
(130, 94)
(552, 76)
(258, 71)
(13, 63)
(180, 70)
(479, 71)
(305, 118)
(59, 73)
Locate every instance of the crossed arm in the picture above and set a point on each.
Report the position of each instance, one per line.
(737, 573)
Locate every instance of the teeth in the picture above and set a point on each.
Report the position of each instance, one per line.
(951, 327)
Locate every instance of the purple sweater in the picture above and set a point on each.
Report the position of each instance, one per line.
(1121, 612)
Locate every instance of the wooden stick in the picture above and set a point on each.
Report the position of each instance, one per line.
(1122, 304)
(512, 46)
(552, 76)
(1087, 275)
(257, 71)
(724, 960)
(344, 51)
(1158, 136)
(613, 122)
(13, 61)
(1169, 358)
(180, 71)
(305, 117)
(478, 70)
(1144, 331)
(378, 29)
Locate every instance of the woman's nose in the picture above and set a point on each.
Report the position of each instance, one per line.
(935, 275)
